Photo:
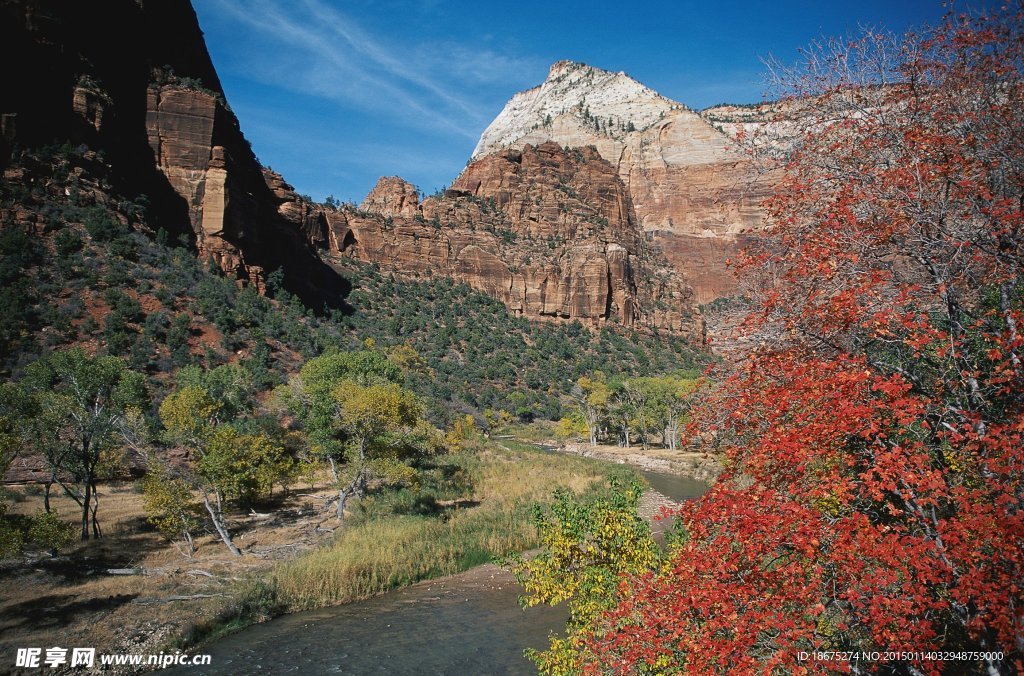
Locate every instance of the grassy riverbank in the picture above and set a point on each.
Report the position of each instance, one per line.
(470, 508)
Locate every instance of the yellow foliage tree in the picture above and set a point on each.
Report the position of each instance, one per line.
(462, 433)
(588, 546)
(592, 395)
(229, 465)
(169, 506)
(380, 425)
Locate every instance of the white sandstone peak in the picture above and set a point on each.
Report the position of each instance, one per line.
(688, 181)
(579, 98)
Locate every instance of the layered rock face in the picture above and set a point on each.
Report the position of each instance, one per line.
(691, 186)
(133, 80)
(180, 126)
(392, 196)
(554, 234)
(550, 232)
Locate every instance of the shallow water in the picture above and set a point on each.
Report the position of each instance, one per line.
(673, 486)
(464, 624)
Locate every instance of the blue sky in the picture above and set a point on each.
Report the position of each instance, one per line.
(335, 93)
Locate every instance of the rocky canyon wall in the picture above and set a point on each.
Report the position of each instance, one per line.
(693, 189)
(548, 231)
(555, 229)
(133, 80)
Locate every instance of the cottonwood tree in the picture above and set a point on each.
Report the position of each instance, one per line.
(874, 496)
(359, 420)
(641, 405)
(639, 400)
(657, 404)
(229, 385)
(670, 396)
(592, 394)
(76, 404)
(379, 423)
(571, 426)
(170, 506)
(621, 414)
(167, 497)
(227, 464)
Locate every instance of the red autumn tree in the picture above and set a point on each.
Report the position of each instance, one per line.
(875, 437)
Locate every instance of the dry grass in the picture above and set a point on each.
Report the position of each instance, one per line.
(655, 457)
(71, 600)
(698, 466)
(372, 556)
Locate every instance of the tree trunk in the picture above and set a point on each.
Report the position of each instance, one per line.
(96, 530)
(217, 517)
(1011, 323)
(46, 495)
(86, 499)
(356, 488)
(343, 494)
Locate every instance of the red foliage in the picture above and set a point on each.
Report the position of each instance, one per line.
(875, 440)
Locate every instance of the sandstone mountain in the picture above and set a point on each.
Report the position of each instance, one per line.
(548, 231)
(692, 188)
(555, 234)
(133, 80)
(552, 232)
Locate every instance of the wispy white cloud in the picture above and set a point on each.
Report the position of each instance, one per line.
(476, 66)
(321, 164)
(338, 24)
(321, 51)
(363, 154)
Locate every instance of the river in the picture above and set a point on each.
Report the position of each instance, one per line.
(470, 623)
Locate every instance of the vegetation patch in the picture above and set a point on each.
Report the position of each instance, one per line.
(389, 544)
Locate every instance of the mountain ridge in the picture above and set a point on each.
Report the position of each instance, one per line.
(549, 231)
(693, 187)
(552, 233)
(623, 103)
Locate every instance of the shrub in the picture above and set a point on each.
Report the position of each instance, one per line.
(46, 530)
(100, 225)
(11, 538)
(67, 242)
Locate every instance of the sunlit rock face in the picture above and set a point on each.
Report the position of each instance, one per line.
(692, 188)
(550, 232)
(133, 82)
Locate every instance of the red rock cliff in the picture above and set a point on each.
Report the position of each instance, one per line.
(549, 232)
(693, 190)
(133, 80)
